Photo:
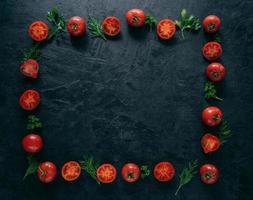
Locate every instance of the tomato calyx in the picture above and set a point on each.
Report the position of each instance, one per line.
(135, 19)
(216, 117)
(74, 26)
(42, 172)
(130, 175)
(216, 74)
(211, 26)
(208, 175)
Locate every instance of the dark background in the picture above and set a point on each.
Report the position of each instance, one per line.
(133, 98)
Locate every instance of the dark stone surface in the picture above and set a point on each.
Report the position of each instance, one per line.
(133, 98)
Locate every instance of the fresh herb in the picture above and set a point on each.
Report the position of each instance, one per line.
(150, 21)
(187, 22)
(90, 166)
(32, 166)
(33, 123)
(145, 171)
(214, 37)
(210, 91)
(187, 174)
(32, 53)
(96, 28)
(224, 132)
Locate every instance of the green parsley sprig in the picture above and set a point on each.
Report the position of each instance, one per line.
(33, 165)
(145, 171)
(224, 131)
(96, 28)
(150, 21)
(32, 53)
(211, 92)
(33, 123)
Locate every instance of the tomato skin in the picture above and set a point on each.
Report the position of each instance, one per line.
(38, 31)
(76, 26)
(164, 171)
(71, 171)
(130, 172)
(29, 100)
(215, 71)
(30, 68)
(212, 51)
(106, 173)
(111, 26)
(166, 29)
(32, 143)
(212, 116)
(210, 143)
(209, 174)
(47, 172)
(135, 17)
(211, 24)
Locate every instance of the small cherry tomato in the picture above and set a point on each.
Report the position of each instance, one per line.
(212, 51)
(215, 72)
(29, 100)
(164, 171)
(47, 172)
(38, 31)
(76, 26)
(166, 29)
(32, 143)
(111, 26)
(210, 143)
(71, 171)
(30, 68)
(135, 17)
(209, 173)
(212, 116)
(211, 24)
(130, 172)
(106, 173)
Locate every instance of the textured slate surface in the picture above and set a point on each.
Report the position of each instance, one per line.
(133, 98)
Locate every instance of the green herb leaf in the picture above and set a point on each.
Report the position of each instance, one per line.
(224, 131)
(150, 21)
(32, 53)
(33, 123)
(32, 166)
(145, 171)
(96, 28)
(210, 91)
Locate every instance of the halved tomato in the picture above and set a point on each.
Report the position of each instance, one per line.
(38, 31)
(111, 26)
(71, 171)
(29, 100)
(30, 68)
(210, 143)
(166, 29)
(164, 171)
(212, 51)
(106, 173)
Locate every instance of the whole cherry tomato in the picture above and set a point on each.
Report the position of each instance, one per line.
(29, 100)
(135, 17)
(166, 29)
(210, 143)
(71, 171)
(130, 172)
(215, 72)
(209, 173)
(32, 143)
(111, 26)
(76, 26)
(164, 171)
(47, 172)
(212, 116)
(38, 31)
(106, 173)
(211, 24)
(30, 68)
(212, 51)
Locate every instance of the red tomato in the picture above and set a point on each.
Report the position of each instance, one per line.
(209, 173)
(38, 31)
(164, 171)
(32, 143)
(111, 26)
(47, 172)
(29, 100)
(30, 68)
(210, 143)
(76, 26)
(135, 17)
(212, 116)
(71, 171)
(106, 173)
(166, 29)
(215, 72)
(130, 172)
(212, 51)
(212, 24)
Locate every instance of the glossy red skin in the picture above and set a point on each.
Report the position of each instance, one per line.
(47, 172)
(104, 169)
(38, 31)
(215, 71)
(76, 26)
(29, 100)
(111, 26)
(210, 143)
(211, 24)
(135, 17)
(32, 143)
(130, 172)
(212, 116)
(209, 174)
(212, 51)
(71, 171)
(161, 25)
(30, 68)
(164, 171)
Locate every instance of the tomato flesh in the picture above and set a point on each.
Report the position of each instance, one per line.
(164, 171)
(210, 143)
(38, 31)
(30, 68)
(166, 29)
(106, 173)
(111, 26)
(212, 51)
(29, 100)
(71, 171)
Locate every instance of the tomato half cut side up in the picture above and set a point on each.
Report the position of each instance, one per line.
(38, 31)
(164, 171)
(111, 26)
(166, 29)
(106, 173)
(29, 100)
(71, 171)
